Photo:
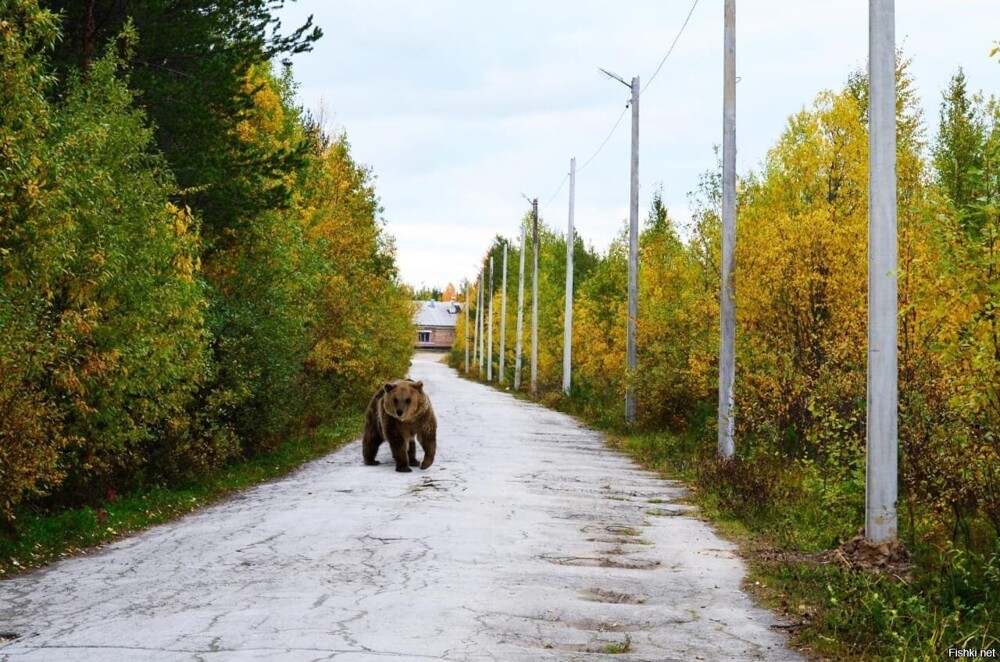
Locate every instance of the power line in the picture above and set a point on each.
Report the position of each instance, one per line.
(561, 184)
(610, 133)
(624, 110)
(671, 49)
(592, 157)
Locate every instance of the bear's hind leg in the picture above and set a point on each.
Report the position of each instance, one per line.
(369, 446)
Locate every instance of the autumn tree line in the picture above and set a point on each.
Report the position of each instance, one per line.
(801, 300)
(191, 266)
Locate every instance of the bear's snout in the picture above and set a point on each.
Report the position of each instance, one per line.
(399, 412)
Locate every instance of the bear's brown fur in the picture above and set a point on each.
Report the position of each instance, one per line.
(400, 413)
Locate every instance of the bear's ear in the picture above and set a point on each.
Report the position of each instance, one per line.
(388, 386)
(419, 386)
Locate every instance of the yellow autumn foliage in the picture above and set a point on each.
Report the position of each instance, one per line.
(801, 300)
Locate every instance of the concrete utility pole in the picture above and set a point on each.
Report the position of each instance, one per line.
(633, 252)
(503, 312)
(534, 298)
(466, 327)
(489, 343)
(520, 315)
(482, 318)
(727, 304)
(475, 333)
(633, 261)
(880, 483)
(568, 317)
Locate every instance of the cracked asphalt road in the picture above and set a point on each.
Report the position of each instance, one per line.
(527, 540)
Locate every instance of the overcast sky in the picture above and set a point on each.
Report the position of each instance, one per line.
(460, 106)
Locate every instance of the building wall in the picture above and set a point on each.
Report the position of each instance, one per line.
(439, 337)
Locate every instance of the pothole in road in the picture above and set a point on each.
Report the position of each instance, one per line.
(673, 512)
(623, 495)
(630, 564)
(594, 625)
(614, 597)
(613, 529)
(598, 645)
(613, 540)
(596, 562)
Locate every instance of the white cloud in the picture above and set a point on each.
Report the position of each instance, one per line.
(460, 107)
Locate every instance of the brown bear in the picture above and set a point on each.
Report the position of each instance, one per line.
(400, 413)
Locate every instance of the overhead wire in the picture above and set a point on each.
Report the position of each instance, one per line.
(553, 197)
(610, 133)
(672, 45)
(670, 50)
(593, 156)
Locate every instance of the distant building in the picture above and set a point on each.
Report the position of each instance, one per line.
(435, 324)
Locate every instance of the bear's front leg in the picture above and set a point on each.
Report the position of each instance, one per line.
(428, 442)
(411, 452)
(398, 444)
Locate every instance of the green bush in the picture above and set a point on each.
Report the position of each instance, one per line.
(143, 341)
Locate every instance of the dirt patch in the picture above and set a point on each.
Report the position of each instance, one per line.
(889, 558)
(856, 554)
(778, 556)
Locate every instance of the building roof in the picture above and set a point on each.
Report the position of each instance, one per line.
(436, 313)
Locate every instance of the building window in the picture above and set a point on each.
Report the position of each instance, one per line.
(423, 336)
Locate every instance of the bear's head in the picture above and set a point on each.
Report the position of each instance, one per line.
(404, 399)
